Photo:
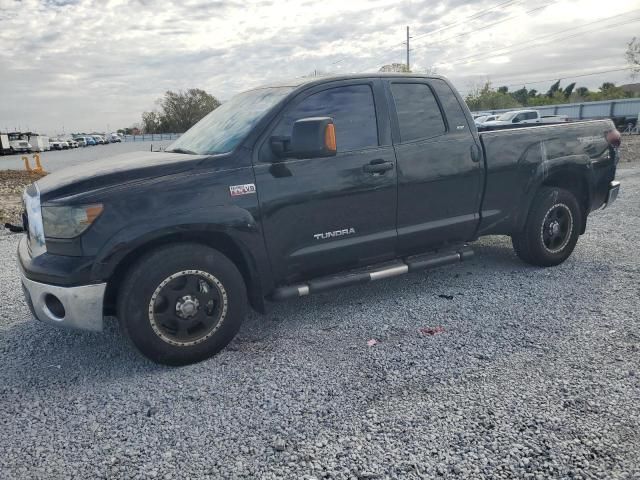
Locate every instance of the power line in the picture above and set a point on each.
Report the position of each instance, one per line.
(446, 27)
(528, 43)
(484, 27)
(472, 17)
(534, 43)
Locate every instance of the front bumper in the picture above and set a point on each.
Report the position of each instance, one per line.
(81, 306)
(612, 193)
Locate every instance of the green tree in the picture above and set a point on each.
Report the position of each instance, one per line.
(151, 122)
(486, 98)
(609, 91)
(632, 55)
(553, 89)
(521, 96)
(569, 90)
(179, 111)
(582, 92)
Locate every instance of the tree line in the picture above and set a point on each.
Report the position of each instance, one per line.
(487, 97)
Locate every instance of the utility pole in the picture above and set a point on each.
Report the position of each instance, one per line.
(408, 67)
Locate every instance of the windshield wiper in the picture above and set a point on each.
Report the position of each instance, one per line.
(182, 150)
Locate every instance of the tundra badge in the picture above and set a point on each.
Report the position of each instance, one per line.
(335, 233)
(246, 189)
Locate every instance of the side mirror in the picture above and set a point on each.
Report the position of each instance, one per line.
(312, 137)
(516, 120)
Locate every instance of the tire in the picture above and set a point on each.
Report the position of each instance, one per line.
(552, 228)
(161, 292)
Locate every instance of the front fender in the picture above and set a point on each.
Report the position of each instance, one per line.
(204, 224)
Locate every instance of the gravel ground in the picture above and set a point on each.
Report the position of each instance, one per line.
(630, 149)
(534, 373)
(12, 184)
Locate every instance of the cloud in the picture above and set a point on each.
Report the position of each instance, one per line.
(92, 64)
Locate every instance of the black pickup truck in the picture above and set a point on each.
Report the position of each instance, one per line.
(293, 189)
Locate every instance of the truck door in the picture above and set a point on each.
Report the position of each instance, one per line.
(320, 215)
(440, 168)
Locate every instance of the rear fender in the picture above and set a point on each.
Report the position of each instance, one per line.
(571, 172)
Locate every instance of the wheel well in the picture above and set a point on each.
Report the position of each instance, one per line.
(219, 241)
(577, 185)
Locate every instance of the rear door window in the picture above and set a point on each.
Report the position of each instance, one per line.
(419, 116)
(451, 106)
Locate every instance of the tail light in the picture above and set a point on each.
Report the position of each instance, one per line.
(614, 138)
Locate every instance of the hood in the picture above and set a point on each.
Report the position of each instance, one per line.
(116, 170)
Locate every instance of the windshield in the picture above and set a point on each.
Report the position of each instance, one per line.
(227, 125)
(505, 117)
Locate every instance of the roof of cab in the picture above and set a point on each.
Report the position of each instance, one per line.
(310, 81)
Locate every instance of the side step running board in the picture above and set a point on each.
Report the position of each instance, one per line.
(409, 264)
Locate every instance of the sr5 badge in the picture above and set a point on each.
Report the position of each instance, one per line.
(246, 189)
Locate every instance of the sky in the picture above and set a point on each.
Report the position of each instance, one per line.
(90, 65)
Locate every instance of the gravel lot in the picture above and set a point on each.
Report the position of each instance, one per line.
(535, 374)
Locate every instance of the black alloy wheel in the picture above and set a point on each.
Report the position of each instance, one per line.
(188, 307)
(552, 228)
(556, 228)
(181, 303)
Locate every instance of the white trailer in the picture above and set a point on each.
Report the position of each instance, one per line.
(39, 143)
(5, 148)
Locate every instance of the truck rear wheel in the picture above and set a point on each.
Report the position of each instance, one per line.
(182, 303)
(552, 228)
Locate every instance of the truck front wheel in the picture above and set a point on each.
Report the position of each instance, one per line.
(552, 228)
(182, 303)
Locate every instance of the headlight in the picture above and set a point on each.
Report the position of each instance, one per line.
(69, 221)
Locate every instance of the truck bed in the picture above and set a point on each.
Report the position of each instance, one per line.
(518, 160)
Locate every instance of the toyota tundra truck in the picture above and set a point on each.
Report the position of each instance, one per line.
(294, 189)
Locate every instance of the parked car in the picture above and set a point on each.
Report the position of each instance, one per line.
(521, 118)
(99, 139)
(72, 143)
(115, 138)
(90, 141)
(480, 114)
(291, 190)
(56, 144)
(480, 121)
(81, 141)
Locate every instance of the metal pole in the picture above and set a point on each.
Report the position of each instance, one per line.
(408, 65)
